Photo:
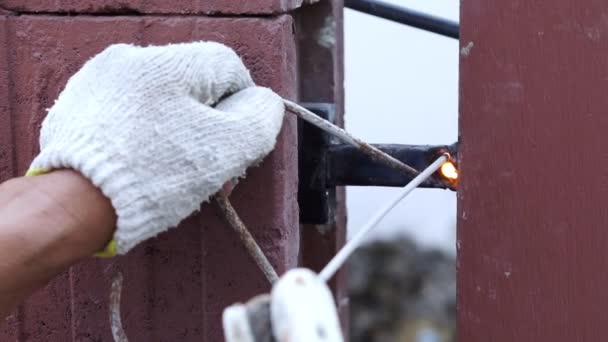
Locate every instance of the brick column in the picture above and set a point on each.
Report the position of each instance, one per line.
(176, 285)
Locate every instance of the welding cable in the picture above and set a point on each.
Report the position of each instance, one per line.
(336, 262)
(247, 239)
(118, 332)
(364, 147)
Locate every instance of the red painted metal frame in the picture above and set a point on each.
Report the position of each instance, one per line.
(532, 226)
(321, 71)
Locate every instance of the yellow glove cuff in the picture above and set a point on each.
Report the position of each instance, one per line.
(36, 172)
(111, 247)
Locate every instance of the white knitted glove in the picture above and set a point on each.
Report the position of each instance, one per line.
(300, 308)
(139, 122)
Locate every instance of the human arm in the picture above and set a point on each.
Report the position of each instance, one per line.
(48, 223)
(158, 130)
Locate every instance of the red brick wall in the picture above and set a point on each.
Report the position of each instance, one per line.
(181, 7)
(176, 285)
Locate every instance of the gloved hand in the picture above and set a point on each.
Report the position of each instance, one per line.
(300, 308)
(159, 130)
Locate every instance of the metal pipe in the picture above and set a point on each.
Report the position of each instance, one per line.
(406, 16)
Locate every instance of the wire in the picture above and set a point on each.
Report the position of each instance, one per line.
(338, 260)
(118, 332)
(364, 147)
(332, 267)
(246, 238)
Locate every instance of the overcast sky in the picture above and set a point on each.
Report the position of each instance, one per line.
(402, 87)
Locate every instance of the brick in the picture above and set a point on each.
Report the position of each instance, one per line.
(154, 6)
(6, 137)
(177, 284)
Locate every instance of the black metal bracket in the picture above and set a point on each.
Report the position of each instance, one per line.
(315, 198)
(325, 163)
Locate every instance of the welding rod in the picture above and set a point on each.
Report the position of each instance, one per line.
(246, 238)
(336, 262)
(364, 147)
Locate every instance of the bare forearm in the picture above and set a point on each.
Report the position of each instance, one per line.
(47, 223)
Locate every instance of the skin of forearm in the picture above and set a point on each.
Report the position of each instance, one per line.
(47, 223)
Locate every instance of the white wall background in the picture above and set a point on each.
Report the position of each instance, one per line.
(402, 87)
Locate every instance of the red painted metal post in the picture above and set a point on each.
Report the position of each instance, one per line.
(176, 285)
(532, 238)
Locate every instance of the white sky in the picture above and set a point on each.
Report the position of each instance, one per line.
(402, 87)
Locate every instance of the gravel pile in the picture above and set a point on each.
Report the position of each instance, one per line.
(400, 292)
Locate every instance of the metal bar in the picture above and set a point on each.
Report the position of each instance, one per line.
(406, 16)
(346, 165)
(247, 239)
